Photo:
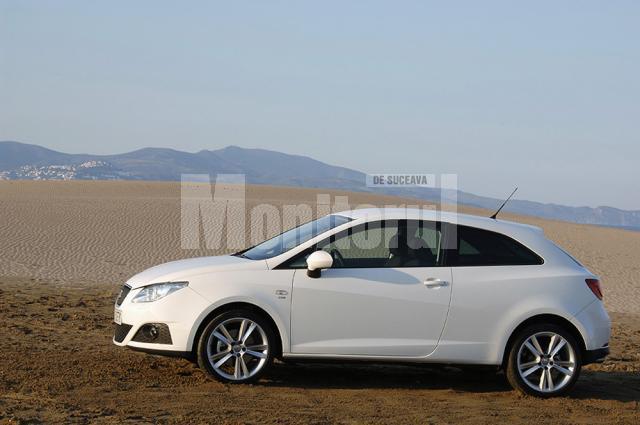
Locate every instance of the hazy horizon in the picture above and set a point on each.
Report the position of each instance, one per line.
(542, 96)
(329, 163)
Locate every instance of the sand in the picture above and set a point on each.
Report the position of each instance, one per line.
(58, 365)
(67, 247)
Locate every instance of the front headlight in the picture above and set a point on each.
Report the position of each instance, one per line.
(157, 291)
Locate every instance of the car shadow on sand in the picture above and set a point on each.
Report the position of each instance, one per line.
(608, 385)
(603, 385)
(383, 376)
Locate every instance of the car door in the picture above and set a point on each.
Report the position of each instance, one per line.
(385, 295)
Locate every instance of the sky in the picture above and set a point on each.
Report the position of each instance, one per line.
(542, 95)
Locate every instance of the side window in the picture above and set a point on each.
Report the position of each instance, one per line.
(426, 242)
(367, 245)
(382, 244)
(477, 247)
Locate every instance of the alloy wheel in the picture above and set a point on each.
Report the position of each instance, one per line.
(237, 349)
(546, 362)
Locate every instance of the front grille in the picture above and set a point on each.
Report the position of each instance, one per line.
(153, 333)
(123, 294)
(121, 332)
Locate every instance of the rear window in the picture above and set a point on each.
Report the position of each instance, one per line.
(478, 247)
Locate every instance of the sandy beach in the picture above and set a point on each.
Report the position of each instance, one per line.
(67, 247)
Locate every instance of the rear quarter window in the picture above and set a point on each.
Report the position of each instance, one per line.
(479, 247)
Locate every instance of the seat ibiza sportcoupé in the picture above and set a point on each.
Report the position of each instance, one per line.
(387, 285)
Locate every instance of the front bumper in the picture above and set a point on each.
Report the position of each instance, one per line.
(120, 332)
(174, 316)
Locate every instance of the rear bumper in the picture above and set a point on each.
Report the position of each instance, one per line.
(595, 326)
(595, 356)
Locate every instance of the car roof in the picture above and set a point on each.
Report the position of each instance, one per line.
(497, 225)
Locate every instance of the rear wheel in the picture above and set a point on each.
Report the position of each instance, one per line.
(236, 346)
(544, 361)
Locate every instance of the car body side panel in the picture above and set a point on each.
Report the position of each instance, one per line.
(488, 303)
(270, 291)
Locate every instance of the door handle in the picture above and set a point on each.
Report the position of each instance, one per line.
(435, 283)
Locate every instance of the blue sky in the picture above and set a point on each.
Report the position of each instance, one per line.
(543, 95)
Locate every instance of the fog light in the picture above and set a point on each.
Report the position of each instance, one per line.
(153, 333)
(150, 331)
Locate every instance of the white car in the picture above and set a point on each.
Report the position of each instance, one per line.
(398, 285)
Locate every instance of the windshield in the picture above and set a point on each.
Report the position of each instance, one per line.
(294, 237)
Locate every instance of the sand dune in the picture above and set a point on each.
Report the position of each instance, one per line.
(103, 232)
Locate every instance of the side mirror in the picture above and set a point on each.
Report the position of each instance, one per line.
(317, 261)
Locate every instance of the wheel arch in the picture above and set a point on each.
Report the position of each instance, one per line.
(542, 319)
(207, 316)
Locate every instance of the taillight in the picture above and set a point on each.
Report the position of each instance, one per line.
(594, 285)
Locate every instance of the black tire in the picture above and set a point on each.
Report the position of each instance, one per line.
(209, 343)
(569, 354)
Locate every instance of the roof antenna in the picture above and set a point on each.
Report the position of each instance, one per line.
(495, 215)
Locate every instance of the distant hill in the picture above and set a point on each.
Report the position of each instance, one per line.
(24, 161)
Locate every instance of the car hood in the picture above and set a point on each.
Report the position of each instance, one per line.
(182, 269)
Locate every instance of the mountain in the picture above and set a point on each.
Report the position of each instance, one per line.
(22, 161)
(260, 166)
(14, 155)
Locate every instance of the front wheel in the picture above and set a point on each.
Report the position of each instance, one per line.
(544, 361)
(236, 346)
